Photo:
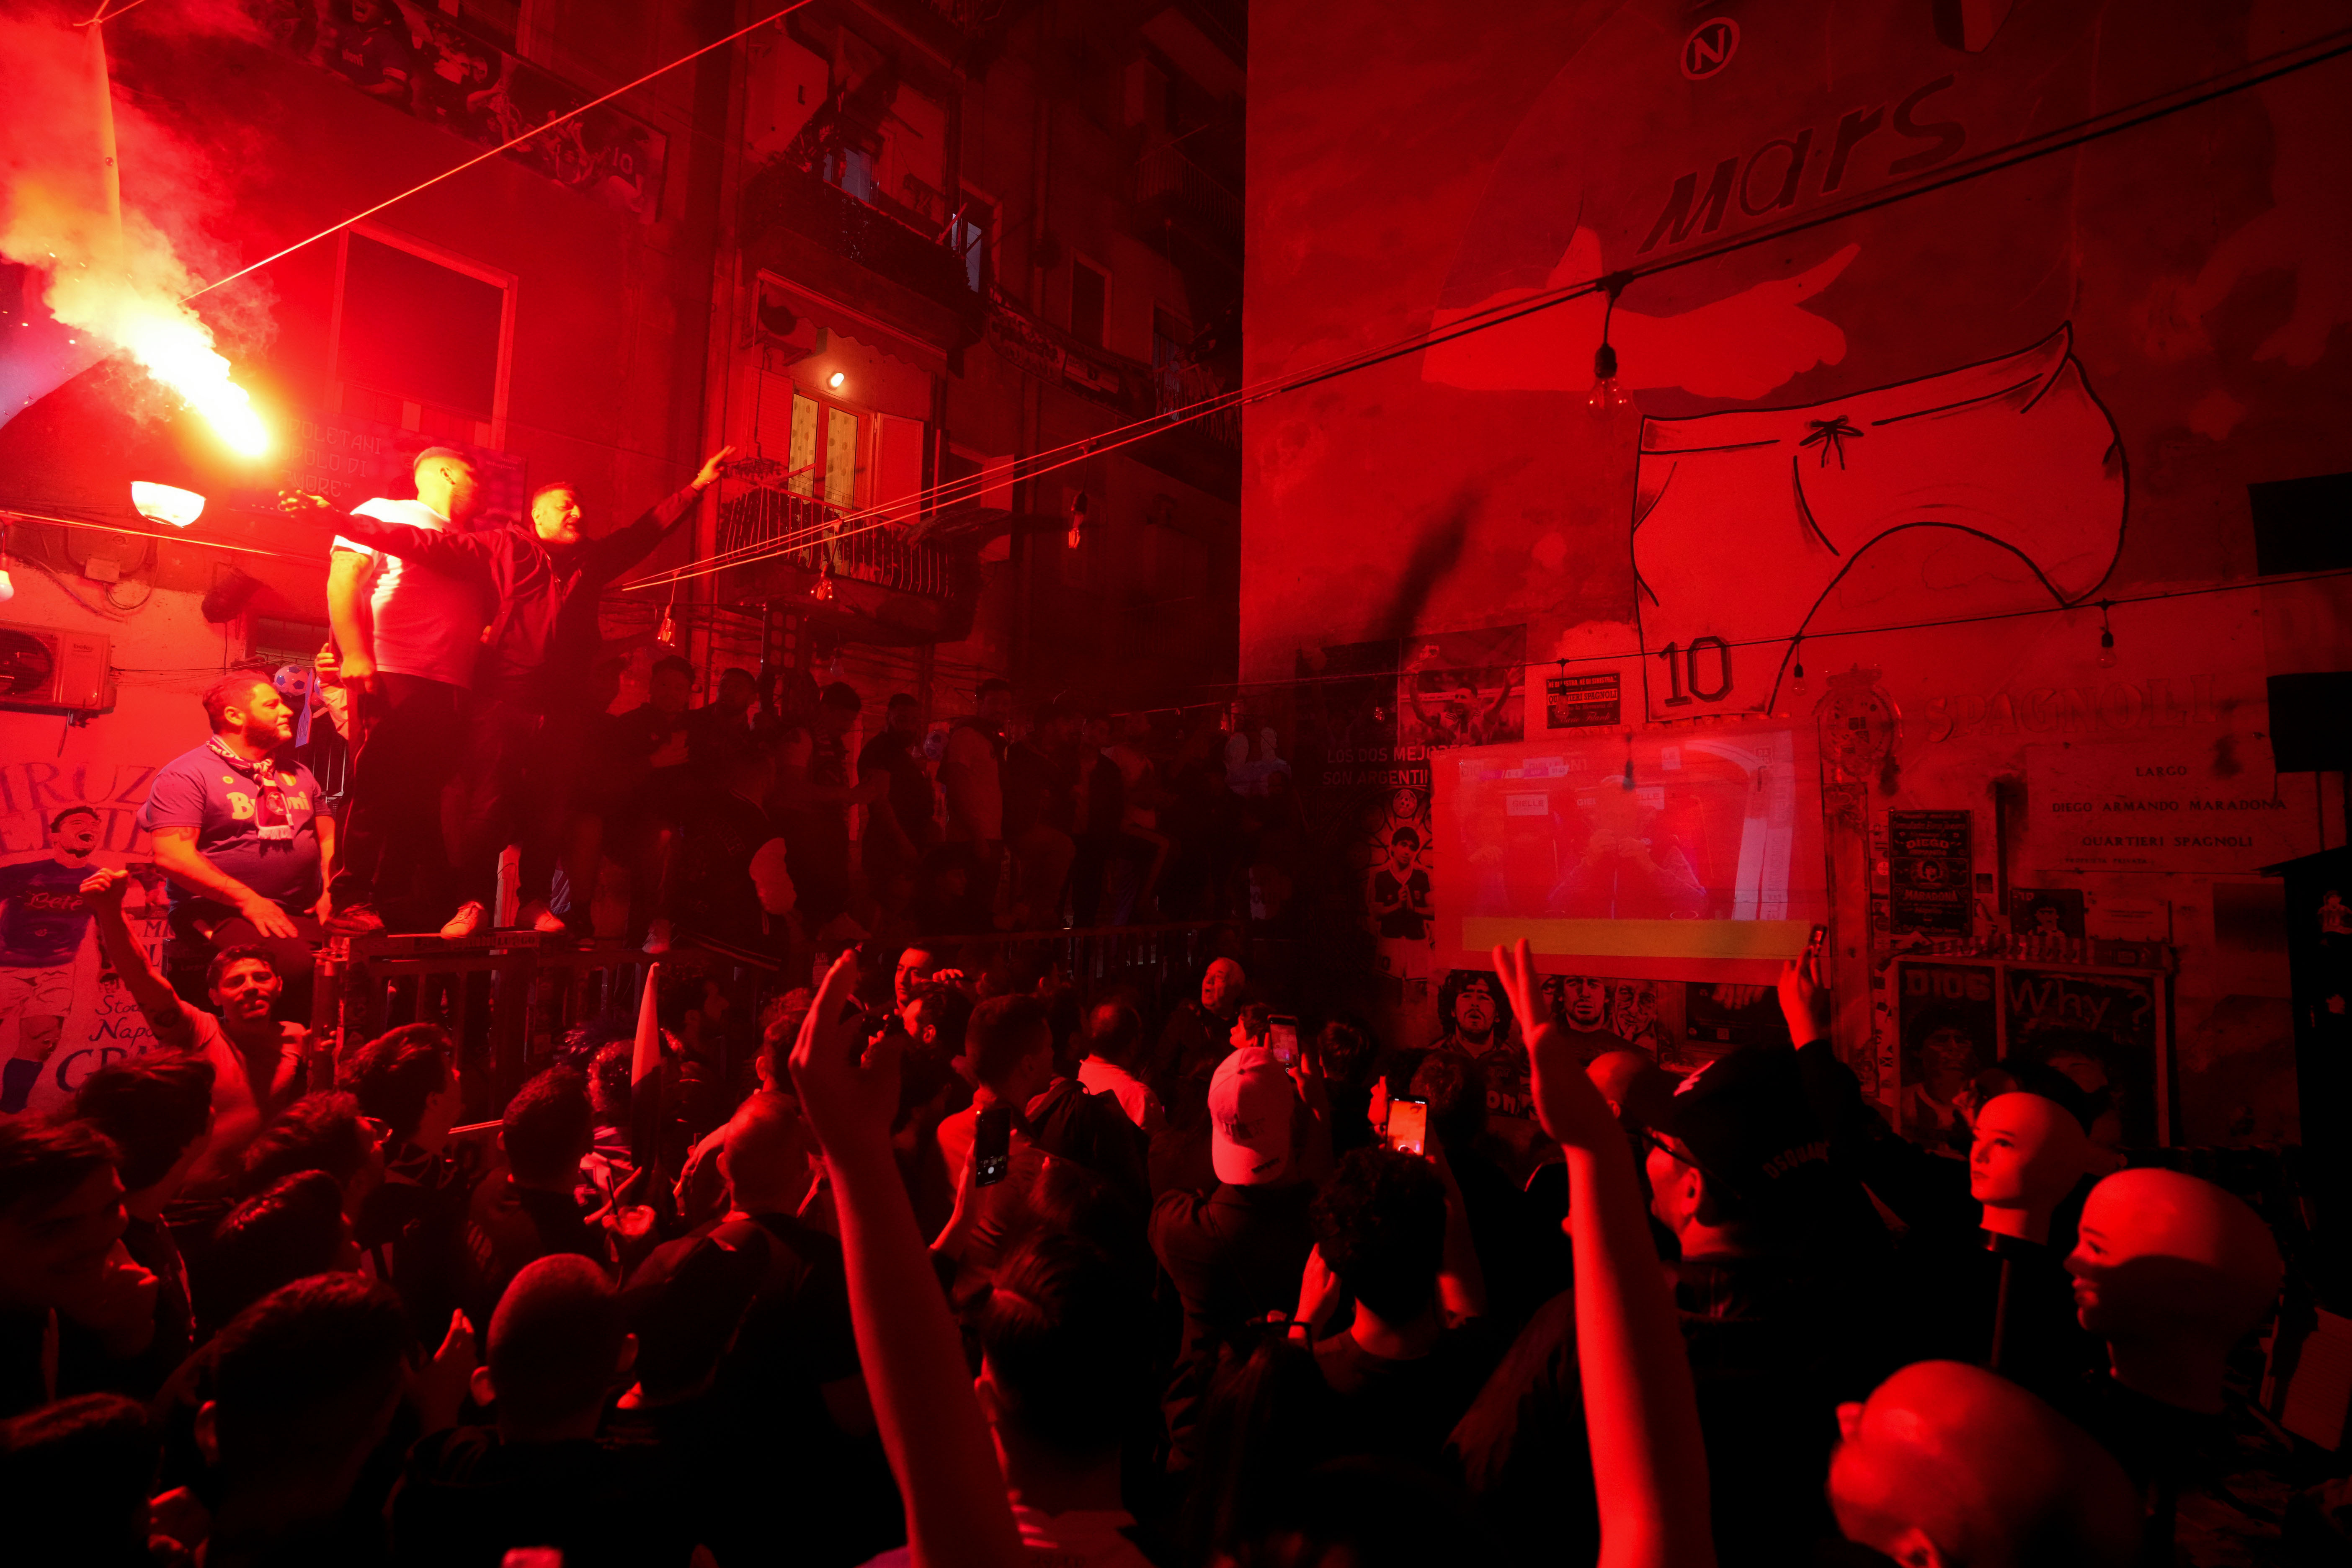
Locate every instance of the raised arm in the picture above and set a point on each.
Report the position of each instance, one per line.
(930, 1421)
(623, 548)
(1649, 1463)
(102, 891)
(455, 554)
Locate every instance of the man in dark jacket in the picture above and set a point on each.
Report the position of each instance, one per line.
(524, 730)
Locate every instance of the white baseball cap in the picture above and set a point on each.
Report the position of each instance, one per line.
(1251, 1107)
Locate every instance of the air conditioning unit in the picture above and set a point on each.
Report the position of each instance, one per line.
(47, 667)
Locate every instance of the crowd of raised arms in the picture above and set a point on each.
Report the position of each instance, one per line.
(857, 1244)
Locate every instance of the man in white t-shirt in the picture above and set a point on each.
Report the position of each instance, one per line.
(1114, 1036)
(405, 636)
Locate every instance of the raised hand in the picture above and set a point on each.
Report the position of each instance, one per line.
(712, 467)
(1567, 1104)
(1805, 999)
(303, 503)
(104, 886)
(440, 1384)
(848, 1089)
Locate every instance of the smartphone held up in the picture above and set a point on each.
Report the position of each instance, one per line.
(1408, 1130)
(992, 1145)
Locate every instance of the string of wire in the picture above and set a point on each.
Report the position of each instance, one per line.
(2270, 67)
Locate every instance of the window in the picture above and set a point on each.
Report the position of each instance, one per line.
(421, 339)
(498, 20)
(1089, 301)
(969, 238)
(1171, 339)
(851, 169)
(821, 442)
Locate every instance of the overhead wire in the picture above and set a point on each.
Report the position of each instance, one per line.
(1811, 634)
(2146, 110)
(2270, 67)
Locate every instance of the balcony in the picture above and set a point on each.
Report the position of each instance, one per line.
(1206, 452)
(802, 229)
(1177, 202)
(886, 588)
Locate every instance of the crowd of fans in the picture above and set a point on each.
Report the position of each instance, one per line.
(972, 1268)
(957, 1263)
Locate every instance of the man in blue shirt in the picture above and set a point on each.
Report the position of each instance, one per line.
(42, 919)
(240, 836)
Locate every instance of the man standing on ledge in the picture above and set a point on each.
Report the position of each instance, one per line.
(523, 733)
(405, 638)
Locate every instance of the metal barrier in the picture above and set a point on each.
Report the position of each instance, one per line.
(1161, 961)
(507, 997)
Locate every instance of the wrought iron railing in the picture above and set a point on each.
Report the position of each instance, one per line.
(817, 540)
(1178, 383)
(1164, 175)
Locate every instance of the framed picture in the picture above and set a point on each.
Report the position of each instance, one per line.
(2104, 1029)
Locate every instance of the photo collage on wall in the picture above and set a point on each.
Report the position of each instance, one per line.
(467, 78)
(1370, 715)
(1970, 1030)
(1680, 1024)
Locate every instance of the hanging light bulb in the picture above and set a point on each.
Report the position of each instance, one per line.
(2106, 637)
(667, 633)
(1629, 759)
(1607, 399)
(823, 592)
(1077, 535)
(1797, 687)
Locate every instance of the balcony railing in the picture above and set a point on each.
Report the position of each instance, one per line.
(785, 195)
(1168, 180)
(861, 551)
(1178, 383)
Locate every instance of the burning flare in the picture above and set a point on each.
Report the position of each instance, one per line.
(111, 272)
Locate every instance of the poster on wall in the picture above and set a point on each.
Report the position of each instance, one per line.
(60, 1007)
(1369, 714)
(1583, 701)
(427, 63)
(2181, 803)
(1600, 1013)
(1462, 689)
(1928, 872)
(1949, 1018)
(2106, 1032)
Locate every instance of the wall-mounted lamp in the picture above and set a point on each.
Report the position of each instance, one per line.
(166, 503)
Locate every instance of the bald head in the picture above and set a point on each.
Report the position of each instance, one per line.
(1947, 1465)
(2161, 1255)
(556, 1345)
(764, 1154)
(445, 482)
(2027, 1154)
(1221, 987)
